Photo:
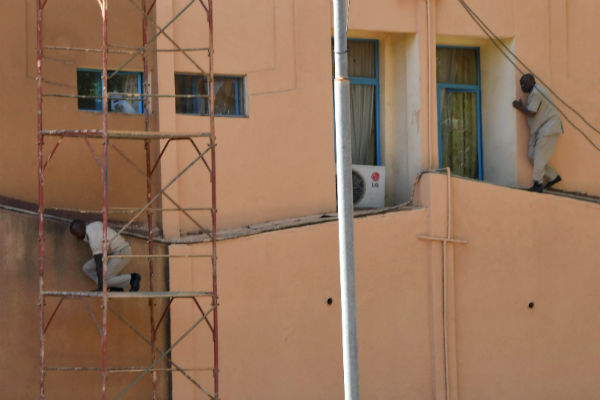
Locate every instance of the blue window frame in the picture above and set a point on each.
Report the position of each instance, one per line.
(89, 83)
(459, 110)
(229, 95)
(363, 66)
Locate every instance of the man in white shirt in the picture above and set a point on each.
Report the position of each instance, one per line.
(545, 127)
(93, 235)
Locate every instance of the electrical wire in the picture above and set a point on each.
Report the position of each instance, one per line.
(505, 51)
(473, 14)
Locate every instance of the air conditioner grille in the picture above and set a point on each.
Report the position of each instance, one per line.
(358, 187)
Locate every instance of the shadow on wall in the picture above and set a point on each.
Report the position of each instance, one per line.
(72, 338)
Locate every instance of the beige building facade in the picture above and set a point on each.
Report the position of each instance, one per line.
(467, 288)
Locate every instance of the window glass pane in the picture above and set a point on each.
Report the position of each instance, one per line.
(361, 58)
(457, 66)
(118, 87)
(194, 85)
(229, 96)
(458, 115)
(89, 83)
(362, 63)
(364, 132)
(183, 87)
(226, 96)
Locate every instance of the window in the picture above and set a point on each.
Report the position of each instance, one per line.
(229, 95)
(89, 83)
(363, 70)
(459, 110)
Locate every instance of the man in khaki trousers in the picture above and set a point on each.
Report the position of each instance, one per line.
(93, 234)
(545, 127)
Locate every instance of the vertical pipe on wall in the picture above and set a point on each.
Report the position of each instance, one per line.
(344, 196)
(445, 281)
(213, 180)
(40, 140)
(429, 155)
(104, 195)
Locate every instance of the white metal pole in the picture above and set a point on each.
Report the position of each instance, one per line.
(341, 89)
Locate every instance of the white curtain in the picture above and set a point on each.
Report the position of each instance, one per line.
(124, 83)
(130, 85)
(362, 102)
(362, 64)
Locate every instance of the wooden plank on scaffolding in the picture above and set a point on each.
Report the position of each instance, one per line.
(126, 369)
(98, 134)
(160, 256)
(121, 210)
(126, 295)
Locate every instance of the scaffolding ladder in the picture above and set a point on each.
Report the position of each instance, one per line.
(206, 156)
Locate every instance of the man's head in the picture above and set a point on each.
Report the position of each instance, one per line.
(77, 228)
(527, 83)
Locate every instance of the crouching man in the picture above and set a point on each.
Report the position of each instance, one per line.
(93, 235)
(545, 127)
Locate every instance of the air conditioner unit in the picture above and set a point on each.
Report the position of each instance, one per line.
(368, 186)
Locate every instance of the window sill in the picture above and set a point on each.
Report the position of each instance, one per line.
(216, 116)
(110, 112)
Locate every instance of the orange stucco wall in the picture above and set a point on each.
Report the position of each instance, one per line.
(279, 158)
(555, 39)
(284, 55)
(71, 336)
(527, 248)
(72, 178)
(279, 338)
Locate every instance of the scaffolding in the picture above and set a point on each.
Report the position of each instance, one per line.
(208, 317)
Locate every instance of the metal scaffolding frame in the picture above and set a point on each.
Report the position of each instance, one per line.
(144, 8)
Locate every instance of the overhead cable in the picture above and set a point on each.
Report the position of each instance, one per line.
(505, 51)
(474, 15)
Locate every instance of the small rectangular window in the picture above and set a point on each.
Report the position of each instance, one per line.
(123, 91)
(229, 95)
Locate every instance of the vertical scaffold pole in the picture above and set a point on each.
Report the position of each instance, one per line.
(149, 215)
(104, 196)
(40, 142)
(344, 195)
(213, 180)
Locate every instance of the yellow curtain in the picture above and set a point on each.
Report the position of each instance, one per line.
(458, 110)
(459, 132)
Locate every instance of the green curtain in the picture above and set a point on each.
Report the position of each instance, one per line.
(458, 110)
(459, 132)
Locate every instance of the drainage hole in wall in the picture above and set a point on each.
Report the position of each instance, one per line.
(531, 305)
(330, 301)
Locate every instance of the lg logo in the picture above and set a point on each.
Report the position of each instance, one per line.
(375, 179)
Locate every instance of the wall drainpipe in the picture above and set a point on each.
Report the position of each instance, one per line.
(430, 165)
(445, 240)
